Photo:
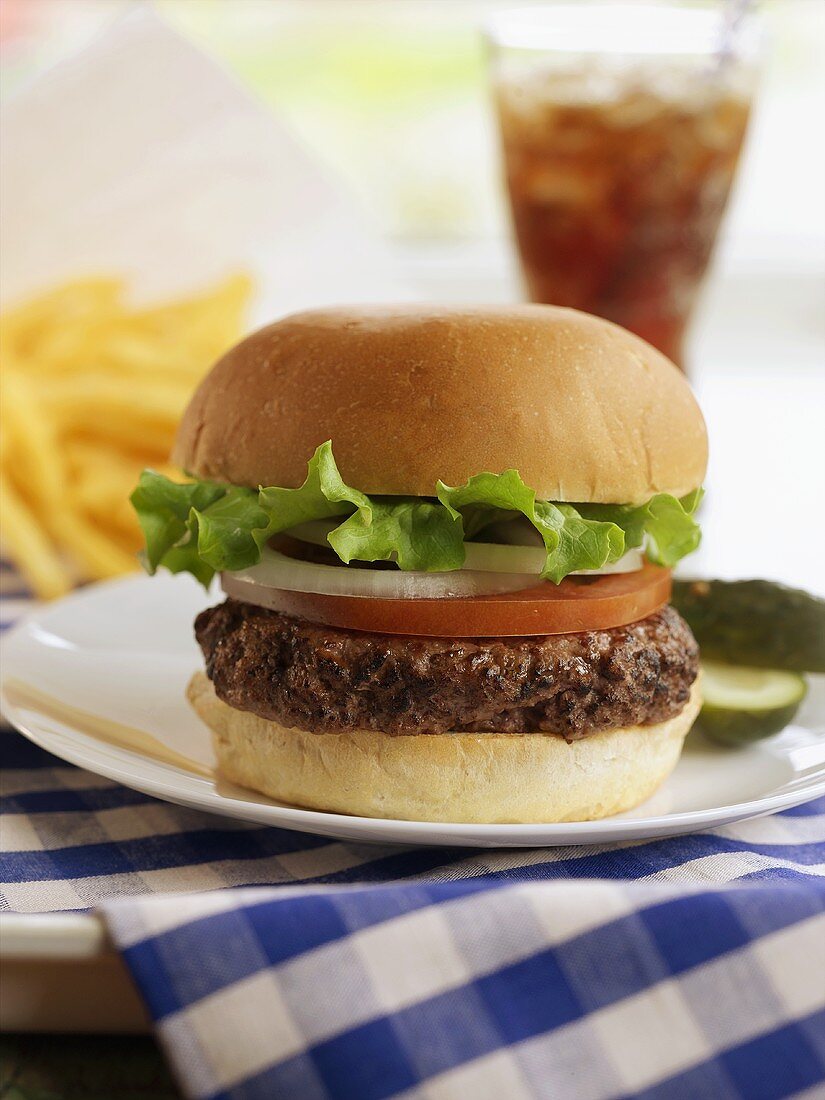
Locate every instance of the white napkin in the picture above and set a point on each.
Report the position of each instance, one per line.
(141, 155)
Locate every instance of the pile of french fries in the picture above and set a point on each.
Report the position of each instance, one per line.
(91, 391)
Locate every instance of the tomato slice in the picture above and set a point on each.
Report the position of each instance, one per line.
(575, 605)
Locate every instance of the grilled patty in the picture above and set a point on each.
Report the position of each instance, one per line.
(325, 679)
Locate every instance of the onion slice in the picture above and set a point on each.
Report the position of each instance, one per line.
(277, 571)
(497, 558)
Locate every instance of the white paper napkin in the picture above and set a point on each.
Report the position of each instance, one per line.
(141, 155)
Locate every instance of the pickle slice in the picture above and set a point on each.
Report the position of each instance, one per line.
(754, 623)
(741, 705)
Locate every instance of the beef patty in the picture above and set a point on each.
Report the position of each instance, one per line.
(325, 679)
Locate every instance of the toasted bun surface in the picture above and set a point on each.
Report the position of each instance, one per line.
(457, 777)
(584, 410)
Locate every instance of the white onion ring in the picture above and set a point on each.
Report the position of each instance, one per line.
(279, 572)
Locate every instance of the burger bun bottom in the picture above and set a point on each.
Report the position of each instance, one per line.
(479, 778)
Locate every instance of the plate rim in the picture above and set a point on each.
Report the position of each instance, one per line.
(296, 818)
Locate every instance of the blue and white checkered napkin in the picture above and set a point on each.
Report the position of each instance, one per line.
(691, 967)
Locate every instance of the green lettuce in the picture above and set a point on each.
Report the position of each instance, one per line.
(665, 524)
(322, 495)
(418, 534)
(571, 541)
(198, 527)
(203, 527)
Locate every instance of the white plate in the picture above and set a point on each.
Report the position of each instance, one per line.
(121, 653)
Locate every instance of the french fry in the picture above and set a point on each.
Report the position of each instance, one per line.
(106, 406)
(30, 548)
(227, 301)
(38, 461)
(152, 440)
(97, 555)
(142, 356)
(92, 391)
(70, 302)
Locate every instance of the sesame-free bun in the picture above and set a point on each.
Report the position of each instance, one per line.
(584, 410)
(459, 777)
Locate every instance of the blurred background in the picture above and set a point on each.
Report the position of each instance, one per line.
(384, 176)
(393, 95)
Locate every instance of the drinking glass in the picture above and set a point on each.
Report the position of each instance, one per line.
(621, 126)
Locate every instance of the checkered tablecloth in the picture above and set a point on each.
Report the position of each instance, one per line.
(691, 967)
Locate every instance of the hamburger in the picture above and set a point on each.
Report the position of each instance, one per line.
(444, 537)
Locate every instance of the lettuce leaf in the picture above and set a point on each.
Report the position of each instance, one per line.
(665, 524)
(231, 532)
(202, 527)
(418, 534)
(322, 495)
(571, 541)
(164, 509)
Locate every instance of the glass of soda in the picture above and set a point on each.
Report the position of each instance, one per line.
(621, 126)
